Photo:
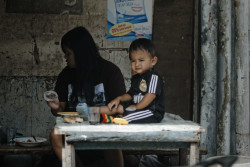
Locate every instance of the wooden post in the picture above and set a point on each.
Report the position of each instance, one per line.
(194, 154)
(68, 154)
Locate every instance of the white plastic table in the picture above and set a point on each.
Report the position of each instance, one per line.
(164, 135)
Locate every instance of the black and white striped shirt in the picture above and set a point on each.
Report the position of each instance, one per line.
(149, 82)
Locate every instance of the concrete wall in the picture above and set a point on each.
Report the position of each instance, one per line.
(31, 59)
(224, 92)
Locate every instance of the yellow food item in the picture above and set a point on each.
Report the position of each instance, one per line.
(68, 113)
(120, 121)
(73, 119)
(28, 141)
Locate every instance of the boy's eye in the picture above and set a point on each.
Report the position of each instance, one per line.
(141, 60)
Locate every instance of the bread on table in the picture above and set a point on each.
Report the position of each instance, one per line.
(120, 121)
(73, 119)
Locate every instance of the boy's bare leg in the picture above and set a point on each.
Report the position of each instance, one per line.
(56, 142)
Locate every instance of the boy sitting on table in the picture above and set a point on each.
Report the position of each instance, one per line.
(145, 100)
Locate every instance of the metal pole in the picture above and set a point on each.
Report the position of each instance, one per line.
(224, 77)
(242, 78)
(208, 86)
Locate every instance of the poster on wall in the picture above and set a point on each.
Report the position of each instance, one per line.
(129, 19)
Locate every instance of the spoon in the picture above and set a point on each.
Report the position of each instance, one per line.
(34, 138)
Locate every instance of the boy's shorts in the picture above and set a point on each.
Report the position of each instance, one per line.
(150, 119)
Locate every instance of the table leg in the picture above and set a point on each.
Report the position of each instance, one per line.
(194, 154)
(68, 154)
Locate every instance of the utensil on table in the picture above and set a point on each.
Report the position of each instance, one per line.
(34, 138)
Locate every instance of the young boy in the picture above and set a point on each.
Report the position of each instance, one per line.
(145, 100)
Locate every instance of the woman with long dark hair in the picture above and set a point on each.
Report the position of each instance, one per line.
(86, 71)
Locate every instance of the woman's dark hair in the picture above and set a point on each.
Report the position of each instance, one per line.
(87, 56)
(142, 44)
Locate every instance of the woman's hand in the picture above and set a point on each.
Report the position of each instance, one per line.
(54, 105)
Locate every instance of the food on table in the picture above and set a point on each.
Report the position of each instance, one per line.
(73, 119)
(68, 113)
(120, 121)
(29, 140)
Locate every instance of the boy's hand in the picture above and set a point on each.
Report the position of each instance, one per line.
(114, 104)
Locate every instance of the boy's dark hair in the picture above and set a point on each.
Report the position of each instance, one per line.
(142, 44)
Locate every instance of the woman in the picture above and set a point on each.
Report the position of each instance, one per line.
(86, 78)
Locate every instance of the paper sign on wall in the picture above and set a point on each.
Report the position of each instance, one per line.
(129, 19)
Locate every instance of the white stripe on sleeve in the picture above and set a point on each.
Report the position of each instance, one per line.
(153, 84)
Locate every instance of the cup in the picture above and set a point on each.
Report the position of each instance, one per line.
(11, 135)
(94, 115)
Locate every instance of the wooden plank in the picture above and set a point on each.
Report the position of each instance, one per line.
(6, 149)
(160, 151)
(160, 136)
(171, 125)
(127, 145)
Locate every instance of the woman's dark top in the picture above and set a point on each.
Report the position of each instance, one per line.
(108, 85)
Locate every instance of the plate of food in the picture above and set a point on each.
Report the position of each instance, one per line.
(68, 113)
(73, 119)
(30, 141)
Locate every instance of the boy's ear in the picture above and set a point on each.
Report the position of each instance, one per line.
(154, 60)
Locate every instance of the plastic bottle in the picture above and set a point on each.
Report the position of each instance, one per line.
(82, 109)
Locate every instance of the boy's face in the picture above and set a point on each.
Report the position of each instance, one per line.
(141, 61)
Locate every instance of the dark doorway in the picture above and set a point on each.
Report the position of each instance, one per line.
(173, 37)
